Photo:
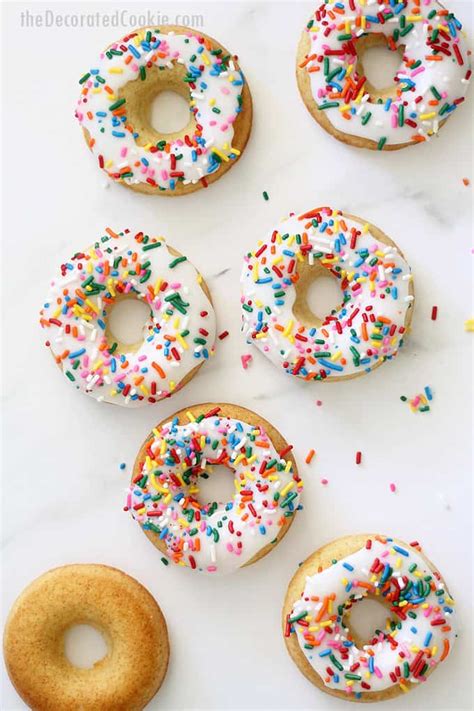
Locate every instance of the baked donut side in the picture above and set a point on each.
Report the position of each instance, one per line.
(171, 544)
(411, 663)
(176, 163)
(107, 599)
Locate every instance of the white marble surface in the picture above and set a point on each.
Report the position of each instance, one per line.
(62, 487)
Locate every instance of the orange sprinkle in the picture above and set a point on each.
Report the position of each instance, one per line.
(310, 456)
(158, 369)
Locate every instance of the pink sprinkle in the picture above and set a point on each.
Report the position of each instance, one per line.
(319, 403)
(324, 482)
(393, 488)
(246, 359)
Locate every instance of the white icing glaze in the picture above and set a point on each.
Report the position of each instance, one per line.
(375, 283)
(215, 96)
(417, 601)
(178, 336)
(215, 537)
(418, 110)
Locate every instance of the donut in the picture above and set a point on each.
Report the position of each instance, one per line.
(428, 87)
(117, 606)
(177, 338)
(214, 537)
(114, 110)
(316, 618)
(376, 296)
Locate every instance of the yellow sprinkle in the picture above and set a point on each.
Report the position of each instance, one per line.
(469, 325)
(425, 117)
(190, 416)
(115, 70)
(286, 489)
(92, 306)
(221, 155)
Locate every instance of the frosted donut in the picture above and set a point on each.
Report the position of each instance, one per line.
(418, 635)
(115, 104)
(215, 537)
(430, 84)
(115, 604)
(177, 338)
(376, 296)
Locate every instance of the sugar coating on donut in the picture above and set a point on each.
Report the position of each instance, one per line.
(178, 336)
(430, 84)
(215, 537)
(214, 84)
(418, 634)
(377, 294)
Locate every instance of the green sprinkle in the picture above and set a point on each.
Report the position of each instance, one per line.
(407, 29)
(401, 115)
(142, 73)
(265, 195)
(328, 105)
(165, 561)
(381, 143)
(336, 663)
(152, 245)
(84, 78)
(298, 617)
(176, 261)
(119, 102)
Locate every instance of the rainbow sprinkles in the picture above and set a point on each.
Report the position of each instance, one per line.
(178, 336)
(418, 634)
(430, 84)
(376, 295)
(214, 537)
(214, 85)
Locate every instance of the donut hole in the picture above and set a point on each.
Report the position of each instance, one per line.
(158, 108)
(84, 646)
(169, 112)
(379, 64)
(365, 619)
(216, 485)
(127, 322)
(318, 294)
